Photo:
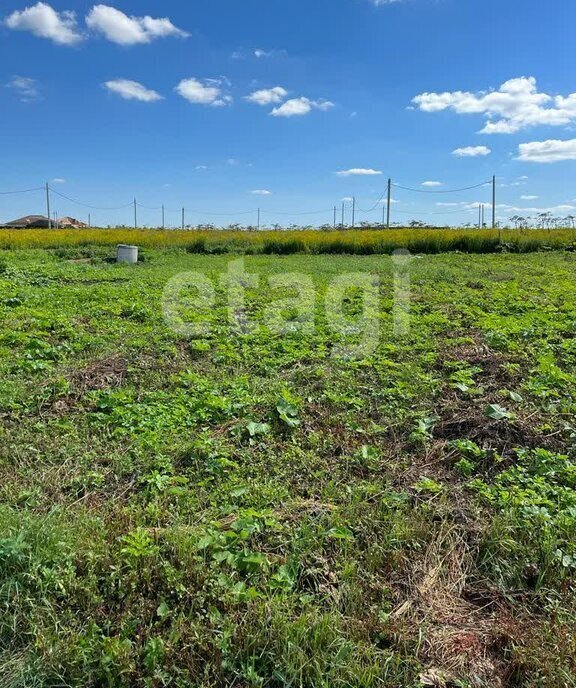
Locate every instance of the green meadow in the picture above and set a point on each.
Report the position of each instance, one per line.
(255, 508)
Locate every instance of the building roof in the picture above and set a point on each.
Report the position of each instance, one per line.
(27, 221)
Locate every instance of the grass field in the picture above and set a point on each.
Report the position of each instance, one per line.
(256, 510)
(359, 242)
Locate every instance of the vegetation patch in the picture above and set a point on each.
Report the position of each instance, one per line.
(254, 507)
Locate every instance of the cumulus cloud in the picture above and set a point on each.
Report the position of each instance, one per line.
(471, 151)
(547, 151)
(529, 198)
(300, 106)
(561, 208)
(25, 87)
(124, 30)
(132, 90)
(43, 21)
(473, 206)
(261, 192)
(268, 96)
(358, 172)
(432, 184)
(210, 92)
(515, 106)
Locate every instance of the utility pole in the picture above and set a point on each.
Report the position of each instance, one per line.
(353, 212)
(258, 218)
(334, 217)
(48, 206)
(89, 221)
(162, 215)
(135, 216)
(389, 203)
(479, 216)
(494, 202)
(342, 223)
(482, 216)
(182, 218)
(55, 220)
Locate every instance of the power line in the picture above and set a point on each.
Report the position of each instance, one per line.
(147, 207)
(93, 207)
(309, 212)
(443, 191)
(37, 188)
(381, 200)
(444, 212)
(373, 208)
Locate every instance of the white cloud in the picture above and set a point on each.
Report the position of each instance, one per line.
(58, 180)
(358, 172)
(124, 30)
(432, 184)
(519, 181)
(323, 105)
(268, 96)
(547, 151)
(473, 206)
(300, 106)
(209, 92)
(201, 167)
(43, 21)
(562, 208)
(529, 198)
(261, 192)
(25, 87)
(132, 90)
(471, 151)
(516, 105)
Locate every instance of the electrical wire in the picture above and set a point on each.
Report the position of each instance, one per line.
(86, 205)
(269, 212)
(283, 212)
(444, 212)
(37, 188)
(373, 208)
(443, 191)
(146, 207)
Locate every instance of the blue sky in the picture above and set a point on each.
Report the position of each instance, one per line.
(202, 104)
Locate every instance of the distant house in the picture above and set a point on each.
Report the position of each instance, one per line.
(70, 223)
(41, 222)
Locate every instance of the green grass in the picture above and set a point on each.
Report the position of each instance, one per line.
(252, 509)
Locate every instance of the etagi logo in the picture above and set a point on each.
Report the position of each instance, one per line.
(189, 297)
